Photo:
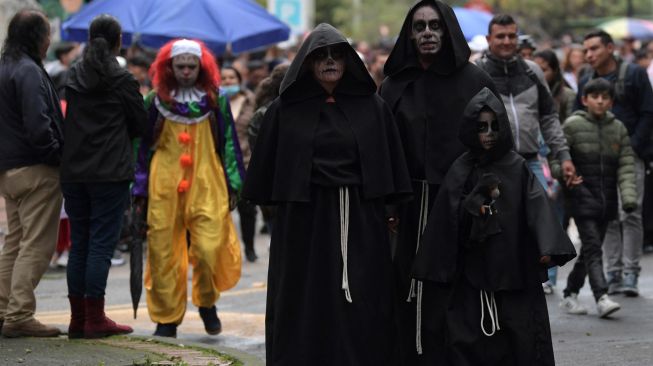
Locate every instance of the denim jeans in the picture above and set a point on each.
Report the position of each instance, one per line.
(623, 240)
(536, 167)
(95, 211)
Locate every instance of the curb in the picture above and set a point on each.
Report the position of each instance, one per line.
(245, 358)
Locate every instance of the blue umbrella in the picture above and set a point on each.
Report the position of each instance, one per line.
(472, 22)
(242, 23)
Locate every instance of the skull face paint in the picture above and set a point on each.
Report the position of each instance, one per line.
(328, 64)
(186, 68)
(427, 31)
(488, 129)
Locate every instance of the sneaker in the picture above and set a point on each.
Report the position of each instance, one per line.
(212, 323)
(547, 287)
(571, 305)
(605, 306)
(614, 280)
(29, 328)
(117, 260)
(629, 285)
(166, 330)
(62, 261)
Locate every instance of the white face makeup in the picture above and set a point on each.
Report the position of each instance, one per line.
(427, 31)
(488, 130)
(186, 68)
(328, 64)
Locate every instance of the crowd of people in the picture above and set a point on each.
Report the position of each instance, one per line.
(418, 192)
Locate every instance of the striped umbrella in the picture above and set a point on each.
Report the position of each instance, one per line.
(628, 27)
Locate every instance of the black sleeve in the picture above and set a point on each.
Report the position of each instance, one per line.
(134, 108)
(259, 181)
(641, 139)
(34, 98)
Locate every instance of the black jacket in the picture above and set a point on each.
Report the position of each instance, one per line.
(105, 111)
(428, 104)
(634, 109)
(30, 115)
(281, 165)
(527, 226)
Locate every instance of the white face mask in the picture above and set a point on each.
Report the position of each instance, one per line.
(427, 31)
(186, 68)
(488, 130)
(328, 64)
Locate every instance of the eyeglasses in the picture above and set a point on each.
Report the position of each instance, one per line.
(333, 52)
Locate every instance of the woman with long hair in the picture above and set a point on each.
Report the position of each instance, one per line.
(105, 112)
(241, 102)
(562, 93)
(572, 64)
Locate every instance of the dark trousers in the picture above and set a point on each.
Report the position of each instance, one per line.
(95, 211)
(590, 260)
(247, 212)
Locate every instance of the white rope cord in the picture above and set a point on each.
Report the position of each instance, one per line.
(344, 234)
(492, 310)
(418, 326)
(421, 225)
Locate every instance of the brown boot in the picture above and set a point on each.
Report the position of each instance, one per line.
(29, 328)
(76, 327)
(96, 324)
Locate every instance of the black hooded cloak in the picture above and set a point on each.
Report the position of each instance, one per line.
(428, 107)
(312, 144)
(503, 264)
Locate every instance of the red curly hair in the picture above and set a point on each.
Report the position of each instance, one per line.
(163, 78)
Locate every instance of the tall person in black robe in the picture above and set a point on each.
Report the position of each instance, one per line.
(329, 157)
(490, 237)
(428, 85)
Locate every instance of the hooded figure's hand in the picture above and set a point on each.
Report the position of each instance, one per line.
(486, 190)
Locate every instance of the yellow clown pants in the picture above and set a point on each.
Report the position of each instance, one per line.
(188, 195)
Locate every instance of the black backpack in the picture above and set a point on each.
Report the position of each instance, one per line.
(619, 85)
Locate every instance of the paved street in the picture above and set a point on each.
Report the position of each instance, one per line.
(624, 340)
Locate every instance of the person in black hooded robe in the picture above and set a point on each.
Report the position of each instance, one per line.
(329, 157)
(485, 250)
(428, 85)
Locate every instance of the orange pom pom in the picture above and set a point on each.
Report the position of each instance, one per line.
(184, 138)
(183, 186)
(186, 160)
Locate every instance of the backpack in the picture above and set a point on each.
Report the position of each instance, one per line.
(619, 85)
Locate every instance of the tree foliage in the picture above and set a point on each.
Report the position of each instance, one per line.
(543, 18)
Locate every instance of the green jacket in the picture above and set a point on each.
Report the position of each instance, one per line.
(601, 152)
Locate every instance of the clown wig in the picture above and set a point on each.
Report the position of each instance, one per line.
(163, 78)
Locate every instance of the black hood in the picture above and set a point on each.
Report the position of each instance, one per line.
(454, 53)
(299, 82)
(468, 132)
(84, 78)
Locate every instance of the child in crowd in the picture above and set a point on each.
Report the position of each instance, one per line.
(490, 237)
(601, 151)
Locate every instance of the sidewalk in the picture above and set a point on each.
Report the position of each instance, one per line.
(117, 351)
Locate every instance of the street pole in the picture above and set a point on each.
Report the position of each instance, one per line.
(356, 20)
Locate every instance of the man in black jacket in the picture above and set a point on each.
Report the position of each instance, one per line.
(429, 81)
(30, 151)
(633, 105)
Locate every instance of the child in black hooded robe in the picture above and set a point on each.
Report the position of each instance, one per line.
(489, 240)
(329, 157)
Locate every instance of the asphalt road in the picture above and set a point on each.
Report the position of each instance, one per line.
(625, 340)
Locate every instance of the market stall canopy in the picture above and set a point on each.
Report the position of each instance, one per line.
(473, 22)
(243, 24)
